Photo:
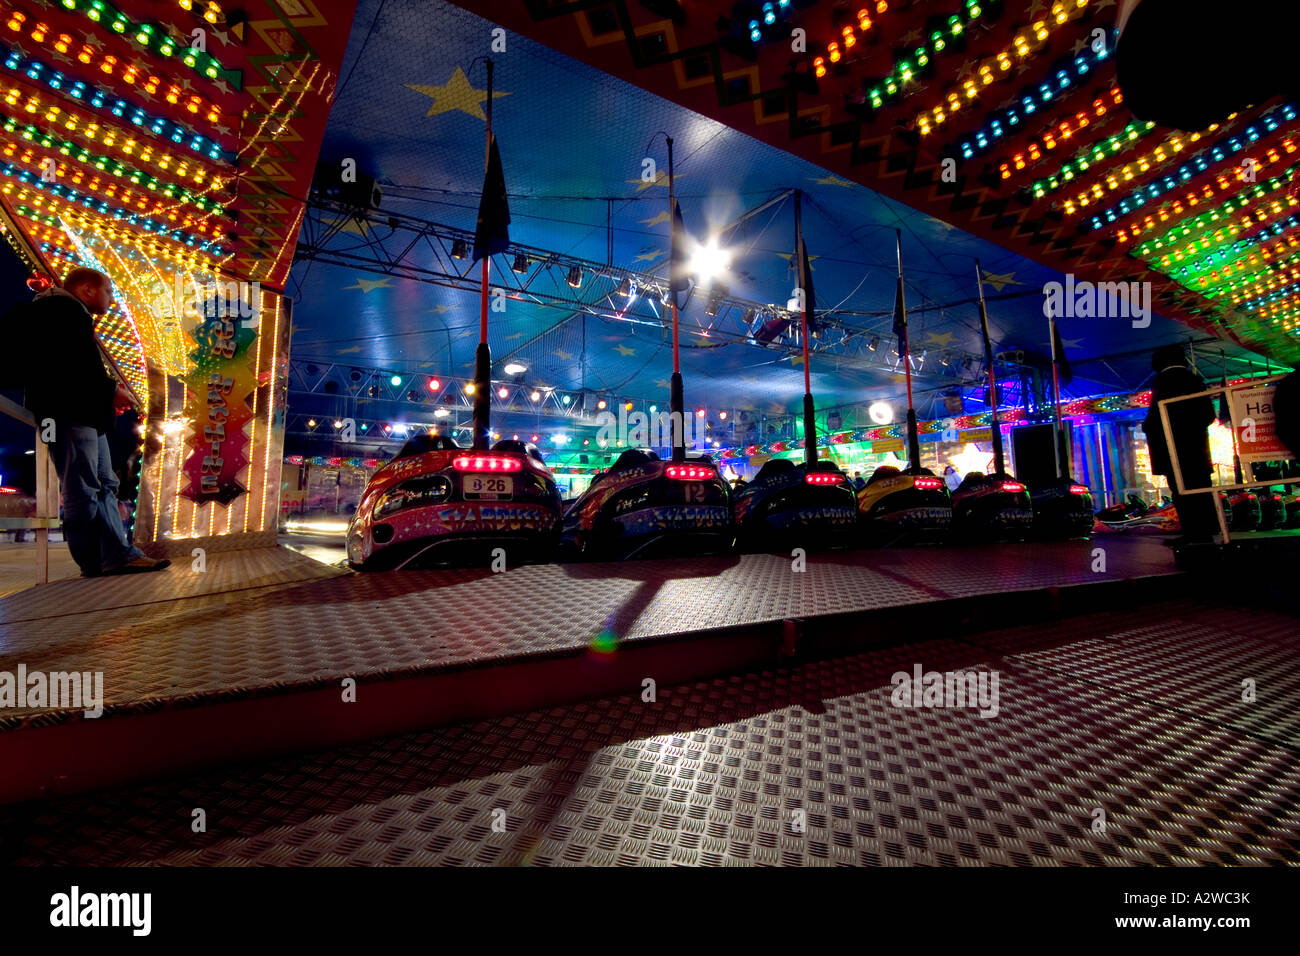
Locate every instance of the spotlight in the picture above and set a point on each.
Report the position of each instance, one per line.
(874, 343)
(502, 392)
(514, 438)
(567, 399)
(601, 404)
(699, 413)
(311, 423)
(536, 396)
(881, 413)
(434, 384)
(441, 413)
(534, 439)
(460, 249)
(708, 261)
(520, 264)
(469, 389)
(629, 406)
(337, 423)
(575, 276)
(397, 381)
(711, 308)
(514, 368)
(627, 288)
(946, 360)
(722, 416)
(654, 409)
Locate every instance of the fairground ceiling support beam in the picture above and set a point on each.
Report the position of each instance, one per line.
(386, 244)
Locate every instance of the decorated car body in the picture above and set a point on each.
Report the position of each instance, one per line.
(644, 506)
(436, 502)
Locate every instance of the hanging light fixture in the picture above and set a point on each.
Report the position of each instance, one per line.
(520, 265)
(460, 249)
(575, 276)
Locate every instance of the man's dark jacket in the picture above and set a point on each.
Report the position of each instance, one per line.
(67, 380)
(1188, 422)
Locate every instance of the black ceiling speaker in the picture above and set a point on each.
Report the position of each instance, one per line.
(1189, 63)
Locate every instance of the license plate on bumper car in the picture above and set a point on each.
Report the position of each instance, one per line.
(489, 487)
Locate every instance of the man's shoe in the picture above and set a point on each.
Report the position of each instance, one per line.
(140, 565)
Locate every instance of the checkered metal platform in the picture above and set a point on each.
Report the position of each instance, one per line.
(1120, 739)
(283, 622)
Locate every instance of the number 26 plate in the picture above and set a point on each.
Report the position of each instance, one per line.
(489, 486)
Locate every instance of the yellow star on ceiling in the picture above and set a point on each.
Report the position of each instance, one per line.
(350, 224)
(941, 339)
(561, 354)
(661, 383)
(1000, 281)
(833, 181)
(442, 309)
(351, 350)
(647, 257)
(661, 179)
(796, 359)
(624, 351)
(456, 94)
(370, 285)
(789, 257)
(662, 217)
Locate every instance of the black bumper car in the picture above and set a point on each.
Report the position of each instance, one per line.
(645, 507)
(1062, 510)
(789, 506)
(991, 507)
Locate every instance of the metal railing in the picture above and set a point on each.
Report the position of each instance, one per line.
(47, 494)
(1246, 458)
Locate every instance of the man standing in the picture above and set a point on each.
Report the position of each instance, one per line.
(1188, 424)
(81, 400)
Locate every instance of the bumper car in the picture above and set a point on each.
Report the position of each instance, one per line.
(1134, 514)
(1272, 510)
(436, 503)
(787, 506)
(1062, 510)
(645, 507)
(1241, 510)
(988, 507)
(1291, 508)
(895, 506)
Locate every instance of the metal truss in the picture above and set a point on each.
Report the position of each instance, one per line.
(411, 248)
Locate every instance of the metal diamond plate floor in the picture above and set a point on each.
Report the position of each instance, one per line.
(277, 620)
(1127, 714)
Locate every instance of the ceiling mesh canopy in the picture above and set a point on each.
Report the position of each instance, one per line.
(575, 142)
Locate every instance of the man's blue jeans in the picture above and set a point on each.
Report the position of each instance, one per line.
(91, 520)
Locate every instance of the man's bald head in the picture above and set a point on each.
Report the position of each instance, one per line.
(93, 288)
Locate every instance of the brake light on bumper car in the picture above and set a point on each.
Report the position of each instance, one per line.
(690, 472)
(926, 483)
(1078, 489)
(490, 463)
(1013, 486)
(823, 478)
